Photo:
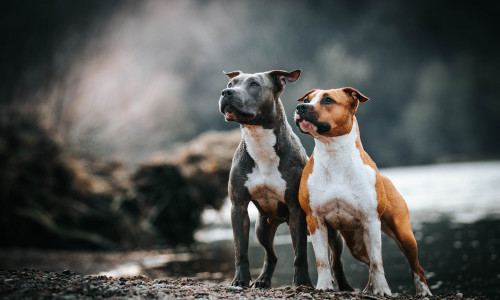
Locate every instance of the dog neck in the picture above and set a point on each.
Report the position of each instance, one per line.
(337, 149)
(264, 143)
(276, 123)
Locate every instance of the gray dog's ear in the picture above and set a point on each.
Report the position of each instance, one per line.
(230, 75)
(283, 76)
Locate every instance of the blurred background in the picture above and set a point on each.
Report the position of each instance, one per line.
(111, 138)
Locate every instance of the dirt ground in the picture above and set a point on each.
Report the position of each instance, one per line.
(179, 273)
(36, 284)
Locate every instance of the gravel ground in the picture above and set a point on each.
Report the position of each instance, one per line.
(36, 284)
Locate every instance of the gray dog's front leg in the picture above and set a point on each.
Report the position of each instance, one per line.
(298, 231)
(241, 227)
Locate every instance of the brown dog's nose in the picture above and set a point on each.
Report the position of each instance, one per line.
(227, 92)
(301, 108)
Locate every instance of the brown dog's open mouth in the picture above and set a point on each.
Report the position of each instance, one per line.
(305, 125)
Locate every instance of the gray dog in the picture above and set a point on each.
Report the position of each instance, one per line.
(266, 170)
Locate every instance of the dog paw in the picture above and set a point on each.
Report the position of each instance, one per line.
(241, 280)
(377, 285)
(381, 290)
(324, 284)
(345, 286)
(262, 283)
(240, 283)
(424, 292)
(384, 292)
(302, 279)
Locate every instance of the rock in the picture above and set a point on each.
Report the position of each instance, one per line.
(175, 188)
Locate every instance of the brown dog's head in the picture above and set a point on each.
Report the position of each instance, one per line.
(328, 113)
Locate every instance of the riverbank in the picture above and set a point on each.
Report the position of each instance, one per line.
(36, 284)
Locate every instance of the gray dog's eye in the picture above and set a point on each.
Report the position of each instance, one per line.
(230, 84)
(254, 84)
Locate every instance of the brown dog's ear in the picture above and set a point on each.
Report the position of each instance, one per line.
(283, 76)
(355, 94)
(230, 75)
(307, 94)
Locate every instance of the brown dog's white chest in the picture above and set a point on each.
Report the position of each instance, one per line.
(341, 187)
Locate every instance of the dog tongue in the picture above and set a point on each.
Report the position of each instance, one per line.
(229, 115)
(297, 117)
(306, 125)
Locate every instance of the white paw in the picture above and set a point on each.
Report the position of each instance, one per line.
(424, 291)
(380, 286)
(325, 282)
(383, 291)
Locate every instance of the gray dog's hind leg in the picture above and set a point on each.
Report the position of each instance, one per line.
(298, 231)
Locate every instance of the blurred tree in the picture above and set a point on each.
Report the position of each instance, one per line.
(104, 73)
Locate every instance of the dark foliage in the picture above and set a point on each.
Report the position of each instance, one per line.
(172, 210)
(52, 199)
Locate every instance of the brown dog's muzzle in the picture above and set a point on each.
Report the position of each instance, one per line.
(307, 113)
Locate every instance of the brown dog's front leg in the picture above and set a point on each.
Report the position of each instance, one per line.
(241, 227)
(298, 231)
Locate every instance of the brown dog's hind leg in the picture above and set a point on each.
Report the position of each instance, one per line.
(356, 245)
(337, 246)
(265, 232)
(396, 224)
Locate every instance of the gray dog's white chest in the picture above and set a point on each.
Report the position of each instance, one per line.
(265, 183)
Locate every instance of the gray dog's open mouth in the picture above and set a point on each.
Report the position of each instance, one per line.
(232, 113)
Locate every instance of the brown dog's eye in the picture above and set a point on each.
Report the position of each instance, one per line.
(328, 100)
(306, 100)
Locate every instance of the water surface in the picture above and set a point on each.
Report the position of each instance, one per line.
(455, 215)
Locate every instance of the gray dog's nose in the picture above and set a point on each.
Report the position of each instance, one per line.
(227, 92)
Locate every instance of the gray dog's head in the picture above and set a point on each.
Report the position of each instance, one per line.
(252, 98)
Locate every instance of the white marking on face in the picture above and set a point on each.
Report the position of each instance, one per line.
(315, 99)
(265, 184)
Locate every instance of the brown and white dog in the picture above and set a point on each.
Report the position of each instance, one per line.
(342, 190)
